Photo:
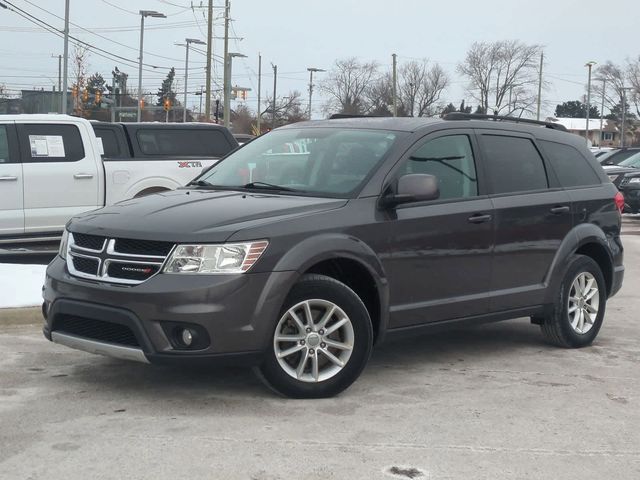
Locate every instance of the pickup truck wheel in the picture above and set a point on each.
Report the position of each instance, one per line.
(321, 342)
(579, 306)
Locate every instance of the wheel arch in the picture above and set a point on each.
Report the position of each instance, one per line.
(350, 261)
(584, 239)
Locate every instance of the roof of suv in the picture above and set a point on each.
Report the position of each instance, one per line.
(412, 124)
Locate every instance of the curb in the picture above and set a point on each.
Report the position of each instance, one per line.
(20, 316)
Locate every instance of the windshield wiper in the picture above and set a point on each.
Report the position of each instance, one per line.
(200, 183)
(269, 186)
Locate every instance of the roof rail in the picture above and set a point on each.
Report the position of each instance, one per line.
(477, 116)
(337, 116)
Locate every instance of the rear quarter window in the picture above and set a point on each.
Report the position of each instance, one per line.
(45, 142)
(183, 142)
(570, 166)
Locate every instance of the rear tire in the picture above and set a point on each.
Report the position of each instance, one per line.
(579, 305)
(321, 341)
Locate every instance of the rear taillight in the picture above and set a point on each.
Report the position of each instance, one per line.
(619, 201)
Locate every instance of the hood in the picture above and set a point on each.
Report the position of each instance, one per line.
(192, 215)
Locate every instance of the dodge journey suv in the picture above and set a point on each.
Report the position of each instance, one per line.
(300, 251)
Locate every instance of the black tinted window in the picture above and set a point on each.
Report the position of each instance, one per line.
(109, 142)
(183, 142)
(513, 164)
(51, 143)
(572, 169)
(450, 160)
(4, 145)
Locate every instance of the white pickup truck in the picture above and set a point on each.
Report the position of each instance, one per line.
(53, 167)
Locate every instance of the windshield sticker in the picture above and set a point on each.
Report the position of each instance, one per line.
(46, 146)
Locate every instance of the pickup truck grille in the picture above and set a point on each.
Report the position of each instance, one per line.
(115, 260)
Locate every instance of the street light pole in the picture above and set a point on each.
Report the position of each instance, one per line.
(143, 14)
(66, 56)
(589, 65)
(186, 75)
(227, 86)
(624, 111)
(311, 70)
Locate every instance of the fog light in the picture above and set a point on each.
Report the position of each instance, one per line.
(187, 337)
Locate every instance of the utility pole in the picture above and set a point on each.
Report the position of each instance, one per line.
(66, 56)
(540, 86)
(259, 90)
(275, 80)
(311, 71)
(227, 74)
(604, 89)
(624, 111)
(59, 57)
(589, 65)
(395, 85)
(207, 102)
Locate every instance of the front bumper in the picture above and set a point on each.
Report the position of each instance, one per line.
(235, 314)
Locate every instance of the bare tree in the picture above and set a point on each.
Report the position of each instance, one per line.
(79, 64)
(503, 75)
(421, 87)
(611, 77)
(346, 86)
(633, 75)
(288, 109)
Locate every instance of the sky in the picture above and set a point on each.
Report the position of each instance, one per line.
(297, 34)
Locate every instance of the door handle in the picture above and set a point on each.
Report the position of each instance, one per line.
(480, 218)
(8, 179)
(80, 176)
(559, 210)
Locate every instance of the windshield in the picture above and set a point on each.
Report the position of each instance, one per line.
(316, 161)
(632, 161)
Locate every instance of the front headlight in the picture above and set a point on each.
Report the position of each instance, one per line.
(64, 242)
(634, 180)
(215, 259)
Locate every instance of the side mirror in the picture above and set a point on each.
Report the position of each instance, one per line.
(414, 187)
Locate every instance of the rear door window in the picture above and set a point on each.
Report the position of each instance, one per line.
(4, 145)
(109, 142)
(570, 166)
(50, 143)
(513, 164)
(183, 142)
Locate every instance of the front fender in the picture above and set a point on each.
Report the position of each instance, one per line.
(314, 250)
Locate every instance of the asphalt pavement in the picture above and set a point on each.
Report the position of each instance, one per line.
(492, 402)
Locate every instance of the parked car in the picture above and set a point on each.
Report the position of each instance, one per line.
(51, 169)
(626, 176)
(600, 151)
(299, 262)
(614, 157)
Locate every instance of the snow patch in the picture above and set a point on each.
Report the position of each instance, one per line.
(21, 285)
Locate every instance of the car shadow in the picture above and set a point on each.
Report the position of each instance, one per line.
(119, 379)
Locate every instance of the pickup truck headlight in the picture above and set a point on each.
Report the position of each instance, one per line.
(64, 242)
(634, 180)
(215, 259)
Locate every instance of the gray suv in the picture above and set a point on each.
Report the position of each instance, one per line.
(303, 249)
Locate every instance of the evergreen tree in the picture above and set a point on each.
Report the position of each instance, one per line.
(576, 109)
(166, 90)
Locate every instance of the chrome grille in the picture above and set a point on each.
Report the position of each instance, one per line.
(112, 260)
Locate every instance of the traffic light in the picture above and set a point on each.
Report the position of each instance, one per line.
(85, 95)
(98, 97)
(141, 103)
(74, 91)
(166, 104)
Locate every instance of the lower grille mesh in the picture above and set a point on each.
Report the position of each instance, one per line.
(96, 330)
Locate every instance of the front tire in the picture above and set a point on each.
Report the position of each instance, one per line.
(579, 305)
(321, 341)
